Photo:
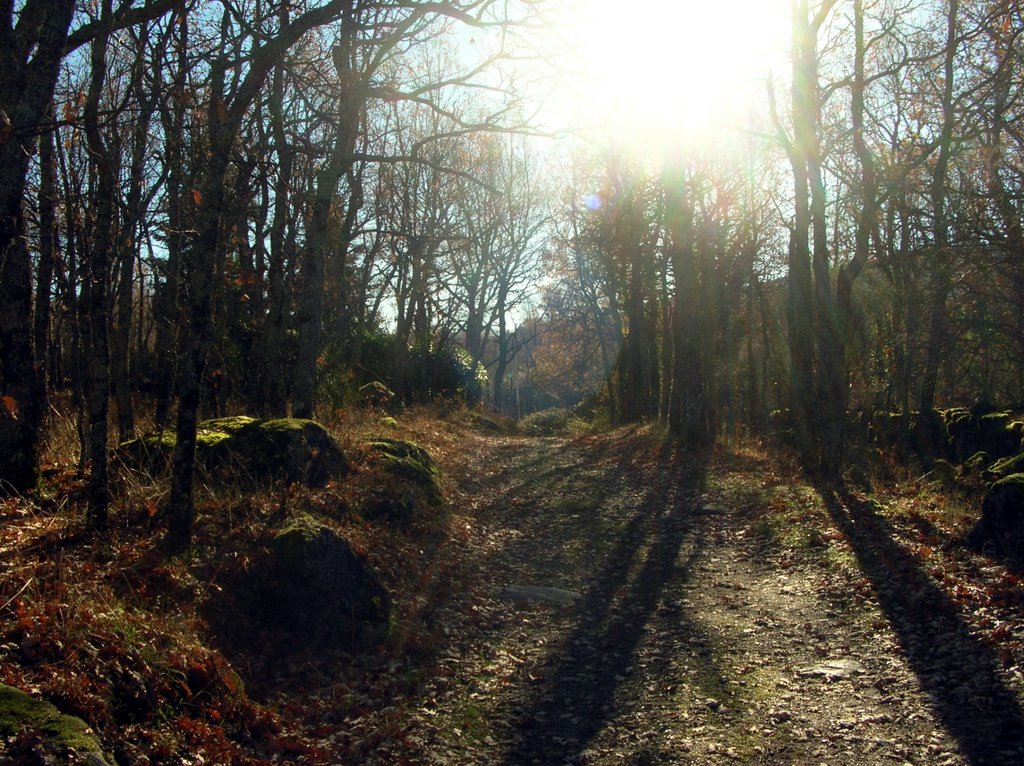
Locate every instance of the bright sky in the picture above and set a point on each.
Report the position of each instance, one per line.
(658, 73)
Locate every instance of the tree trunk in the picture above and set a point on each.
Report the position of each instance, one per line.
(318, 237)
(97, 279)
(47, 256)
(26, 90)
(687, 409)
(938, 321)
(128, 247)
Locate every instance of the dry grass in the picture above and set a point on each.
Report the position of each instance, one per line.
(110, 630)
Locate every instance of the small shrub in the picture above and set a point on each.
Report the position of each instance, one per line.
(544, 423)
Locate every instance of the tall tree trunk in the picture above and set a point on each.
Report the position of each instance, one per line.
(47, 257)
(167, 294)
(128, 248)
(97, 282)
(319, 230)
(941, 278)
(26, 90)
(687, 409)
(275, 400)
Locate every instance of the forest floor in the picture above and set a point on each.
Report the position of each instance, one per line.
(725, 614)
(593, 599)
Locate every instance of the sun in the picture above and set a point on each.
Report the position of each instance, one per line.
(660, 72)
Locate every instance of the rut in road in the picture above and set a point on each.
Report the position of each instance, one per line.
(687, 645)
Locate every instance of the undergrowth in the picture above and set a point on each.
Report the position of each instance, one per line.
(111, 631)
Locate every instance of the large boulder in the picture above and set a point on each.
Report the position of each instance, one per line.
(998, 435)
(291, 449)
(153, 451)
(60, 736)
(1005, 466)
(241, 447)
(962, 428)
(410, 461)
(319, 591)
(1001, 527)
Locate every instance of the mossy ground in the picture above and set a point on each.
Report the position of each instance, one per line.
(20, 712)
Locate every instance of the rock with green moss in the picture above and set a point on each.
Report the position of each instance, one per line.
(388, 422)
(974, 467)
(70, 737)
(962, 428)
(153, 451)
(228, 425)
(1001, 527)
(150, 452)
(241, 447)
(1005, 466)
(412, 462)
(289, 449)
(320, 591)
(997, 434)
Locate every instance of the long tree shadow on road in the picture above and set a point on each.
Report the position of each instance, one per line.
(957, 671)
(581, 690)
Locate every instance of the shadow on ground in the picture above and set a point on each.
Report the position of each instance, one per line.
(586, 681)
(958, 672)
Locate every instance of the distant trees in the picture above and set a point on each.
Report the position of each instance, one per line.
(202, 202)
(272, 203)
(889, 247)
(34, 41)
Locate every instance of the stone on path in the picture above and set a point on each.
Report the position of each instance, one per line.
(833, 670)
(538, 593)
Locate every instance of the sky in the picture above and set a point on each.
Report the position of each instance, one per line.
(657, 73)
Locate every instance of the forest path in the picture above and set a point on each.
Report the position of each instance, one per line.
(686, 645)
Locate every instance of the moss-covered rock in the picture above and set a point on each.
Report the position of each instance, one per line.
(962, 428)
(376, 394)
(1016, 430)
(1001, 527)
(974, 466)
(21, 712)
(151, 452)
(997, 435)
(319, 590)
(291, 449)
(228, 425)
(241, 447)
(412, 462)
(1005, 466)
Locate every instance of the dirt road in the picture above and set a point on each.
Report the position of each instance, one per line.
(683, 639)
